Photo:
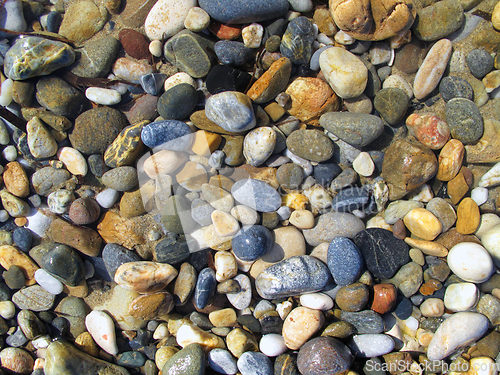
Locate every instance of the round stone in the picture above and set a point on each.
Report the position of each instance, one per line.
(464, 120)
(231, 110)
(423, 224)
(254, 363)
(353, 297)
(178, 102)
(344, 261)
(251, 243)
(259, 145)
(324, 355)
(256, 194)
(471, 262)
(310, 145)
(479, 62)
(232, 53)
(64, 264)
(461, 296)
(455, 87)
(391, 103)
(84, 211)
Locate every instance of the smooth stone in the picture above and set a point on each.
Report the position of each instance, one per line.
(423, 224)
(222, 361)
(120, 178)
(201, 211)
(464, 120)
(438, 20)
(60, 97)
(290, 176)
(258, 145)
(12, 17)
(95, 57)
(489, 240)
(144, 276)
(324, 355)
(300, 325)
(244, 12)
(15, 206)
(205, 288)
(272, 345)
(48, 282)
(170, 135)
(408, 279)
(365, 322)
(383, 253)
(177, 102)
(225, 78)
(33, 298)
(310, 145)
(255, 363)
(455, 87)
(353, 297)
(350, 199)
(429, 129)
(48, 56)
(331, 225)
(23, 238)
(125, 148)
(196, 20)
(471, 262)
(256, 194)
(130, 70)
(231, 110)
(432, 69)
(172, 249)
(296, 43)
(198, 61)
(84, 211)
(357, 129)
(218, 198)
(14, 277)
(252, 242)
(225, 266)
(101, 327)
(317, 301)
(103, 96)
(16, 361)
(398, 82)
(114, 256)
(479, 62)
(59, 201)
(192, 354)
(347, 83)
(184, 284)
(64, 264)
(243, 298)
(344, 261)
(73, 160)
(232, 53)
(82, 20)
(391, 103)
(458, 330)
(461, 296)
(371, 345)
(325, 173)
(15, 179)
(134, 43)
(298, 274)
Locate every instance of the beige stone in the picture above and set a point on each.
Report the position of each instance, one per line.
(86, 343)
(205, 142)
(10, 256)
(185, 283)
(163, 354)
(468, 216)
(223, 318)
(321, 252)
(495, 16)
(240, 341)
(427, 247)
(189, 334)
(423, 224)
(15, 179)
(225, 225)
(163, 162)
(192, 176)
(450, 160)
(145, 276)
(153, 306)
(432, 307)
(302, 219)
(225, 266)
(73, 160)
(300, 325)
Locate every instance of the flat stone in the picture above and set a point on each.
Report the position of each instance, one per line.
(256, 194)
(272, 82)
(331, 225)
(366, 321)
(479, 62)
(60, 97)
(205, 288)
(46, 56)
(357, 129)
(384, 254)
(81, 238)
(126, 147)
(82, 20)
(350, 199)
(254, 363)
(310, 145)
(135, 12)
(171, 135)
(95, 57)
(244, 12)
(33, 298)
(353, 297)
(438, 20)
(144, 276)
(300, 325)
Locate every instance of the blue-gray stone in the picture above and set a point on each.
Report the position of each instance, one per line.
(244, 11)
(252, 242)
(16, 340)
(216, 159)
(114, 255)
(479, 62)
(173, 249)
(201, 212)
(132, 359)
(54, 20)
(255, 363)
(383, 253)
(367, 321)
(177, 102)
(314, 62)
(222, 361)
(296, 43)
(324, 173)
(152, 83)
(350, 199)
(64, 264)
(292, 276)
(205, 288)
(23, 238)
(45, 56)
(344, 260)
(464, 120)
(169, 135)
(256, 194)
(230, 52)
(455, 87)
(231, 110)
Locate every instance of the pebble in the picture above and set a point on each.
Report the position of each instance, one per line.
(84, 211)
(33, 298)
(192, 354)
(103, 96)
(371, 345)
(489, 241)
(255, 363)
(316, 301)
(461, 296)
(438, 20)
(397, 82)
(296, 43)
(344, 261)
(464, 119)
(252, 35)
(130, 70)
(170, 135)
(363, 164)
(222, 361)
(432, 69)
(73, 160)
(353, 297)
(48, 282)
(64, 264)
(244, 12)
(76, 31)
(144, 276)
(272, 345)
(458, 330)
(391, 103)
(471, 262)
(107, 198)
(347, 83)
(205, 288)
(40, 142)
(258, 145)
(252, 242)
(310, 145)
(331, 225)
(479, 62)
(232, 52)
(165, 19)
(256, 194)
(455, 87)
(300, 325)
(16, 180)
(423, 224)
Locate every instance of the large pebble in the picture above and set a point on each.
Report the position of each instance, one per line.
(344, 261)
(145, 276)
(461, 296)
(222, 361)
(192, 354)
(170, 135)
(259, 145)
(490, 242)
(82, 20)
(299, 274)
(471, 262)
(331, 225)
(344, 71)
(371, 345)
(465, 120)
(246, 11)
(296, 43)
(243, 298)
(103, 96)
(255, 363)
(458, 330)
(300, 325)
(310, 145)
(256, 194)
(101, 327)
(231, 110)
(166, 18)
(252, 242)
(324, 355)
(438, 20)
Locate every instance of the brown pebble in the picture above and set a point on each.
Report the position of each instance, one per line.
(15, 179)
(20, 221)
(399, 229)
(340, 329)
(452, 237)
(457, 187)
(384, 298)
(352, 297)
(430, 287)
(450, 160)
(84, 211)
(153, 306)
(468, 216)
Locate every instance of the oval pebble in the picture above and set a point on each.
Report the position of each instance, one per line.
(272, 345)
(103, 96)
(101, 327)
(48, 282)
(242, 299)
(461, 296)
(471, 262)
(371, 345)
(317, 301)
(255, 363)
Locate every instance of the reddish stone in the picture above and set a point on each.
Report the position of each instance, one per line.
(399, 229)
(384, 298)
(225, 32)
(428, 129)
(134, 43)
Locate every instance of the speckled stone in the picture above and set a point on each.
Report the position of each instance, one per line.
(310, 145)
(256, 194)
(391, 103)
(331, 225)
(464, 120)
(298, 274)
(169, 134)
(350, 199)
(296, 43)
(353, 297)
(438, 20)
(255, 363)
(367, 321)
(205, 288)
(192, 354)
(96, 57)
(60, 97)
(226, 11)
(479, 62)
(344, 261)
(384, 254)
(252, 242)
(323, 355)
(455, 87)
(357, 129)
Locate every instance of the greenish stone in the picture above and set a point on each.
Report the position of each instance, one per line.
(190, 53)
(64, 264)
(391, 104)
(150, 368)
(62, 358)
(250, 322)
(488, 39)
(438, 20)
(270, 220)
(286, 364)
(5, 237)
(126, 147)
(96, 57)
(30, 324)
(310, 144)
(340, 329)
(60, 97)
(176, 215)
(188, 361)
(34, 56)
(233, 148)
(59, 123)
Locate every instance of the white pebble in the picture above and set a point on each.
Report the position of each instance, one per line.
(177, 79)
(6, 92)
(4, 216)
(325, 39)
(4, 134)
(48, 282)
(487, 222)
(161, 332)
(107, 198)
(302, 6)
(38, 222)
(73, 160)
(245, 215)
(461, 296)
(156, 47)
(479, 195)
(492, 177)
(471, 262)
(103, 96)
(363, 164)
(7, 309)
(318, 197)
(35, 200)
(423, 193)
(102, 329)
(432, 307)
(284, 308)
(9, 153)
(252, 35)
(272, 345)
(317, 301)
(197, 20)
(41, 342)
(343, 38)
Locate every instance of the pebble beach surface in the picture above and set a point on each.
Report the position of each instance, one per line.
(250, 187)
